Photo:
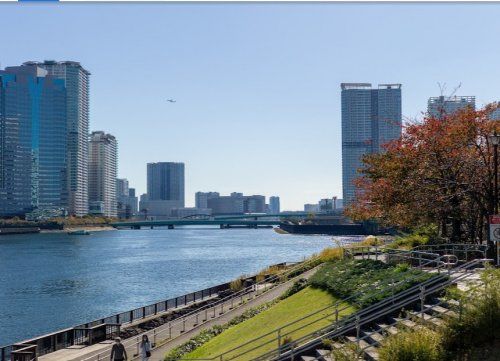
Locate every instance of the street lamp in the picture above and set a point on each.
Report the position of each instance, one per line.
(495, 141)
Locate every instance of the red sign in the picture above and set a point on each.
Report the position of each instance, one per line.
(495, 219)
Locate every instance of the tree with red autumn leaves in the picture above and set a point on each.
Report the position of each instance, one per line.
(440, 171)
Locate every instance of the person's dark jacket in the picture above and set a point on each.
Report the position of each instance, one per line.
(118, 352)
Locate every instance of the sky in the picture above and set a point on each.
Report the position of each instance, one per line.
(257, 85)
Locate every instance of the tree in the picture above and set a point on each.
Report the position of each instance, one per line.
(440, 171)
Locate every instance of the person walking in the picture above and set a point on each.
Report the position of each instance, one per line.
(118, 352)
(145, 348)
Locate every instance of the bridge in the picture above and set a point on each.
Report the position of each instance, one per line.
(253, 220)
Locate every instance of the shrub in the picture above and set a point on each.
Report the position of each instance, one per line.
(331, 254)
(413, 345)
(479, 321)
(297, 286)
(236, 285)
(364, 279)
(419, 237)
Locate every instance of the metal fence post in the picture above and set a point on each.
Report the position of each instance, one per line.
(279, 341)
(154, 336)
(422, 301)
(336, 314)
(137, 341)
(169, 330)
(358, 329)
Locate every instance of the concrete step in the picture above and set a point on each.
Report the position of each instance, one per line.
(308, 358)
(324, 355)
(364, 347)
(388, 329)
(431, 320)
(404, 322)
(443, 311)
(374, 337)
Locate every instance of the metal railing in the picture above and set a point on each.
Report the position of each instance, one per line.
(353, 322)
(211, 310)
(336, 311)
(464, 252)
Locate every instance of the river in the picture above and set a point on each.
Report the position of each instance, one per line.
(52, 281)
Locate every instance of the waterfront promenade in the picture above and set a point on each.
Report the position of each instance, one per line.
(172, 334)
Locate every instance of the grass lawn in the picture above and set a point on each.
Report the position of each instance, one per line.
(294, 307)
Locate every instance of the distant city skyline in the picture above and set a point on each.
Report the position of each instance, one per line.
(258, 107)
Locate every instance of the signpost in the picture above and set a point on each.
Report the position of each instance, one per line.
(495, 233)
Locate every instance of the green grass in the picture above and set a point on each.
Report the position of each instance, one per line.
(294, 307)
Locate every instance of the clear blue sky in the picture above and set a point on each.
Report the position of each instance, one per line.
(257, 85)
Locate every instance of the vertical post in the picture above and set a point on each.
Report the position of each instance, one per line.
(279, 341)
(392, 289)
(358, 329)
(154, 336)
(336, 314)
(206, 314)
(422, 301)
(137, 342)
(169, 330)
(184, 324)
(495, 160)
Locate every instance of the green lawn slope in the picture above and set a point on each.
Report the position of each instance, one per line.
(292, 308)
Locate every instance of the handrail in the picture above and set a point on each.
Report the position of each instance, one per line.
(244, 292)
(406, 254)
(353, 321)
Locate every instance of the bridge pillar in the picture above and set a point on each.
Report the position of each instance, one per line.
(170, 226)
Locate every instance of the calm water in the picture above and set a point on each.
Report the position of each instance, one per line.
(53, 281)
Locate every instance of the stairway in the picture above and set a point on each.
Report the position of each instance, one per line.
(364, 346)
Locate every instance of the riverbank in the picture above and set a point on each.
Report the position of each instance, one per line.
(73, 228)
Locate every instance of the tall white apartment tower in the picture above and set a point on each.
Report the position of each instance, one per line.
(102, 174)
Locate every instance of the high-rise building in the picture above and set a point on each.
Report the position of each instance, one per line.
(166, 182)
(274, 204)
(33, 147)
(441, 106)
(237, 203)
(126, 201)
(201, 198)
(102, 174)
(370, 118)
(76, 79)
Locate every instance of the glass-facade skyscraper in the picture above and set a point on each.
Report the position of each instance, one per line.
(76, 79)
(166, 182)
(33, 140)
(370, 118)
